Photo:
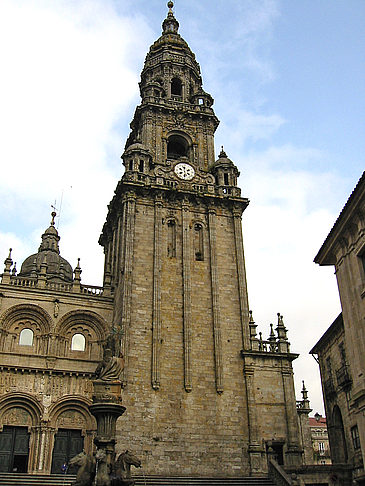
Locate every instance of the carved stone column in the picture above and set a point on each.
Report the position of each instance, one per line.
(42, 441)
(215, 301)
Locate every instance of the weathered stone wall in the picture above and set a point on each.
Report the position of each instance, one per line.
(175, 431)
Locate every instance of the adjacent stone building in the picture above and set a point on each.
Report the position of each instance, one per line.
(206, 395)
(320, 441)
(51, 333)
(341, 350)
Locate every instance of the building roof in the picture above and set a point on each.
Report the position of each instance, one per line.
(321, 422)
(325, 255)
(335, 327)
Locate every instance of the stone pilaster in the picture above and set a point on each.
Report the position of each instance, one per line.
(254, 447)
(294, 450)
(241, 274)
(186, 263)
(118, 246)
(215, 301)
(126, 288)
(156, 317)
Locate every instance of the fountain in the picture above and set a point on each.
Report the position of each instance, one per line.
(103, 469)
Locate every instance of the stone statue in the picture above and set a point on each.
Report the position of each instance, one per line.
(95, 470)
(111, 367)
(122, 469)
(86, 472)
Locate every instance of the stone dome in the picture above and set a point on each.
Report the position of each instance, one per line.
(58, 268)
(223, 160)
(136, 147)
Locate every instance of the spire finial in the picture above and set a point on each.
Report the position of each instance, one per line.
(170, 25)
(53, 214)
(223, 154)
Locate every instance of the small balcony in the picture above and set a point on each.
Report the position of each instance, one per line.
(343, 377)
(329, 387)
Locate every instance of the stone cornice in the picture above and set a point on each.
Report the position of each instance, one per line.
(239, 204)
(326, 254)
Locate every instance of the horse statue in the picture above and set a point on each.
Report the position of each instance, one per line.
(122, 469)
(86, 473)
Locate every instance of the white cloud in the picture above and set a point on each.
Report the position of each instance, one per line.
(283, 230)
(69, 79)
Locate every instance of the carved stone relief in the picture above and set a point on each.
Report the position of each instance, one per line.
(71, 419)
(17, 416)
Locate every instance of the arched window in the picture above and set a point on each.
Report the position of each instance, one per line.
(177, 147)
(26, 337)
(176, 87)
(78, 342)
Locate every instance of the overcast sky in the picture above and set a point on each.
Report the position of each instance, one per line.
(288, 82)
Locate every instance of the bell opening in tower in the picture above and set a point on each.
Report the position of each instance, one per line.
(177, 147)
(176, 87)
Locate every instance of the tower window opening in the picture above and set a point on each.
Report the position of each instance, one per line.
(171, 239)
(131, 165)
(176, 87)
(177, 147)
(26, 337)
(78, 342)
(141, 166)
(226, 179)
(200, 101)
(198, 242)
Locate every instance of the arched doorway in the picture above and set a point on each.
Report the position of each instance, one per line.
(337, 436)
(19, 421)
(74, 426)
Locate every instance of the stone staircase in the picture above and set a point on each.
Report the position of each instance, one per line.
(9, 479)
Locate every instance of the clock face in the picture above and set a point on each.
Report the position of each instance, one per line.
(184, 171)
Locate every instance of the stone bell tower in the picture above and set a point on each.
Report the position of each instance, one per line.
(174, 262)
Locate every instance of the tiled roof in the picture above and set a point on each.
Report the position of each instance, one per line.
(321, 422)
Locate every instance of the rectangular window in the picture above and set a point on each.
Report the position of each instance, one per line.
(355, 437)
(321, 447)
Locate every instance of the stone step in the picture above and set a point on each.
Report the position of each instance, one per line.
(185, 481)
(9, 479)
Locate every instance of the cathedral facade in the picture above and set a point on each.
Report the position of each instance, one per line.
(205, 394)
